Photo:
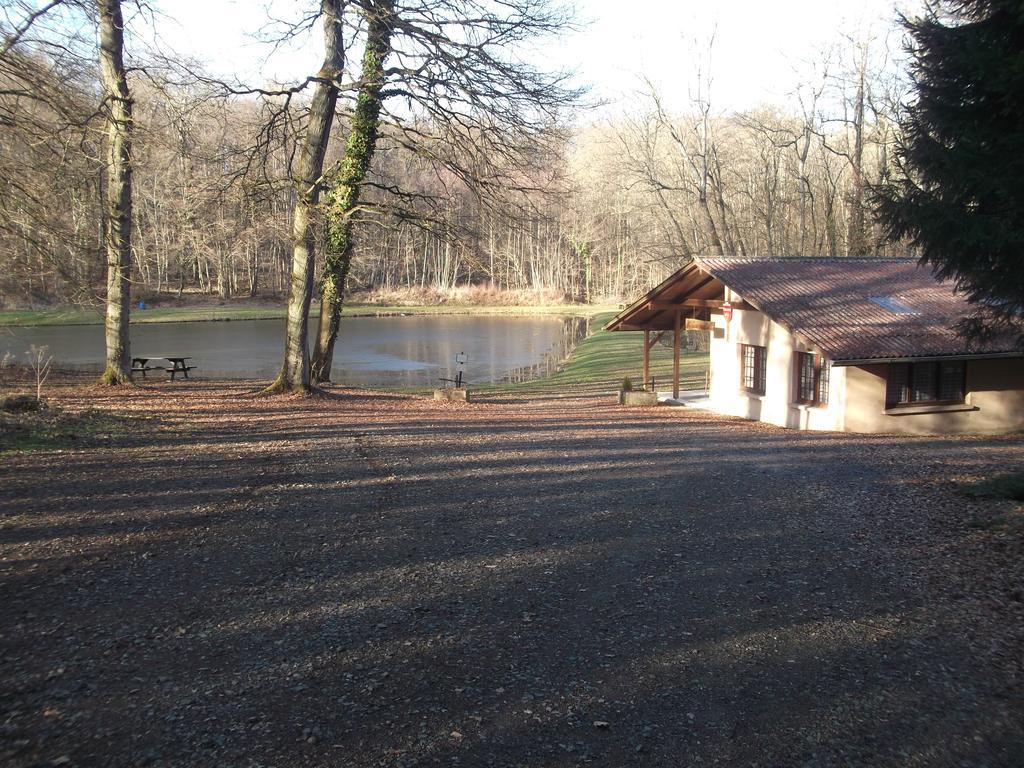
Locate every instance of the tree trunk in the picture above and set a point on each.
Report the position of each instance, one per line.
(117, 110)
(343, 197)
(224, 283)
(711, 230)
(294, 374)
(856, 240)
(723, 209)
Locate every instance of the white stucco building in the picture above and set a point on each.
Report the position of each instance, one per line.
(856, 344)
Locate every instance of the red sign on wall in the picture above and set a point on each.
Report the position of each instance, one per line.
(727, 311)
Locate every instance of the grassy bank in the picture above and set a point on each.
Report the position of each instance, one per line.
(602, 360)
(51, 429)
(1009, 486)
(997, 489)
(244, 311)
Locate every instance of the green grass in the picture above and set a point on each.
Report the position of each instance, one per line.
(50, 429)
(57, 316)
(598, 365)
(241, 311)
(602, 360)
(1009, 486)
(997, 516)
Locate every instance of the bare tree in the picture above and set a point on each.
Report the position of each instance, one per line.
(474, 183)
(465, 97)
(343, 197)
(33, 58)
(860, 88)
(117, 219)
(40, 360)
(691, 165)
(295, 373)
(49, 159)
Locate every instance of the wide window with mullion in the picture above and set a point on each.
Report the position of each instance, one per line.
(753, 377)
(812, 378)
(932, 382)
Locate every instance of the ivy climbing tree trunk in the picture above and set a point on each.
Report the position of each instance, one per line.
(342, 198)
(294, 376)
(117, 214)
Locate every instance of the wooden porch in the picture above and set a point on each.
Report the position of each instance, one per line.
(683, 302)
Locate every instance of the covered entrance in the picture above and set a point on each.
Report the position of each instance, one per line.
(683, 302)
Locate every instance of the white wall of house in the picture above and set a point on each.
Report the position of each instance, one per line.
(856, 403)
(777, 405)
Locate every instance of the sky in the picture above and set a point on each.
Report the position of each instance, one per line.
(759, 53)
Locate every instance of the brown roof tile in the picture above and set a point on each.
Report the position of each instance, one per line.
(856, 308)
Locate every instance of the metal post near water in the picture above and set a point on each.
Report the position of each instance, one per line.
(460, 360)
(458, 391)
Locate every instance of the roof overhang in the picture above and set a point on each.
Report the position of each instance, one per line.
(691, 290)
(927, 359)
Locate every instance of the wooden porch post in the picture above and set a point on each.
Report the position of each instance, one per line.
(675, 355)
(647, 356)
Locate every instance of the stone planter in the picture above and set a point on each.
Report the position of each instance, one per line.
(452, 394)
(638, 398)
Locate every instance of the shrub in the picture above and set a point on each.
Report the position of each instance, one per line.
(40, 360)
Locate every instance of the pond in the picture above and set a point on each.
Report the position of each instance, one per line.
(407, 351)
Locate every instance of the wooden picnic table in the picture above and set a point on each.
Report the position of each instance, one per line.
(178, 365)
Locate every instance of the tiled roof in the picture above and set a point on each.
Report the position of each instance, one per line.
(856, 308)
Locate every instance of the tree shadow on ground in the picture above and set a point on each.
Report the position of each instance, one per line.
(361, 581)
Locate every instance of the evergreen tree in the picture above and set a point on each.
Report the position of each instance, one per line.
(960, 196)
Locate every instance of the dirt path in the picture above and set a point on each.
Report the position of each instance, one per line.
(385, 581)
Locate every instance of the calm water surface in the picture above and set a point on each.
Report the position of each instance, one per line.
(396, 351)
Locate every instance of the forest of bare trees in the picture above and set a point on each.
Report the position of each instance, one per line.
(601, 209)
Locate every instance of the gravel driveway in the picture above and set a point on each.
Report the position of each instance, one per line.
(385, 581)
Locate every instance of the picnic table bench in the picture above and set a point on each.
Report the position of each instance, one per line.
(178, 365)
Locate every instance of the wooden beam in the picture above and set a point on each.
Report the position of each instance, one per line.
(647, 355)
(655, 340)
(693, 324)
(740, 304)
(676, 340)
(707, 279)
(661, 306)
(668, 305)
